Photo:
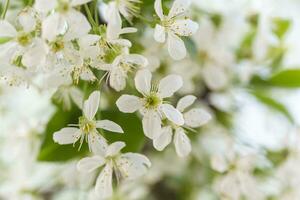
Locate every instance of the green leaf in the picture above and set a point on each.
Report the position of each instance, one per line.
(4, 40)
(217, 20)
(289, 78)
(273, 104)
(133, 134)
(277, 157)
(280, 27)
(245, 50)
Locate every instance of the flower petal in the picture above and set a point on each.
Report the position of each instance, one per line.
(66, 136)
(53, 26)
(136, 59)
(143, 81)
(169, 85)
(164, 139)
(176, 47)
(172, 114)
(184, 27)
(97, 143)
(152, 124)
(77, 96)
(79, 2)
(185, 102)
(133, 165)
(182, 143)
(158, 9)
(114, 24)
(114, 149)
(196, 117)
(36, 55)
(109, 126)
(128, 30)
(160, 33)
(179, 7)
(6, 29)
(27, 21)
(117, 79)
(45, 5)
(78, 25)
(215, 77)
(89, 164)
(103, 186)
(129, 103)
(91, 105)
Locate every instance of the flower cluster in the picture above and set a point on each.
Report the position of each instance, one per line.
(149, 99)
(54, 41)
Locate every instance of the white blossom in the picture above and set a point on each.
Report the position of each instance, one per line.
(87, 127)
(126, 166)
(193, 118)
(152, 104)
(173, 26)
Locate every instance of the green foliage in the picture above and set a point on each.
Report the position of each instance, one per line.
(217, 20)
(277, 157)
(280, 27)
(245, 49)
(133, 132)
(272, 103)
(288, 79)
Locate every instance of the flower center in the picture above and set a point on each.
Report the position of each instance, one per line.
(63, 6)
(24, 39)
(167, 23)
(111, 52)
(152, 101)
(86, 125)
(57, 45)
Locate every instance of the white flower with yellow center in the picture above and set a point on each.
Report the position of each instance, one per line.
(127, 166)
(21, 46)
(174, 25)
(152, 104)
(193, 118)
(127, 8)
(63, 15)
(87, 127)
(121, 66)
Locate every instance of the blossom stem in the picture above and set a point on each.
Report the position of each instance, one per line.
(89, 15)
(96, 13)
(5, 9)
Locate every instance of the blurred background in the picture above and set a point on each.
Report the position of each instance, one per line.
(244, 68)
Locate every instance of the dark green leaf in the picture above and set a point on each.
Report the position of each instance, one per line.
(133, 132)
(277, 157)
